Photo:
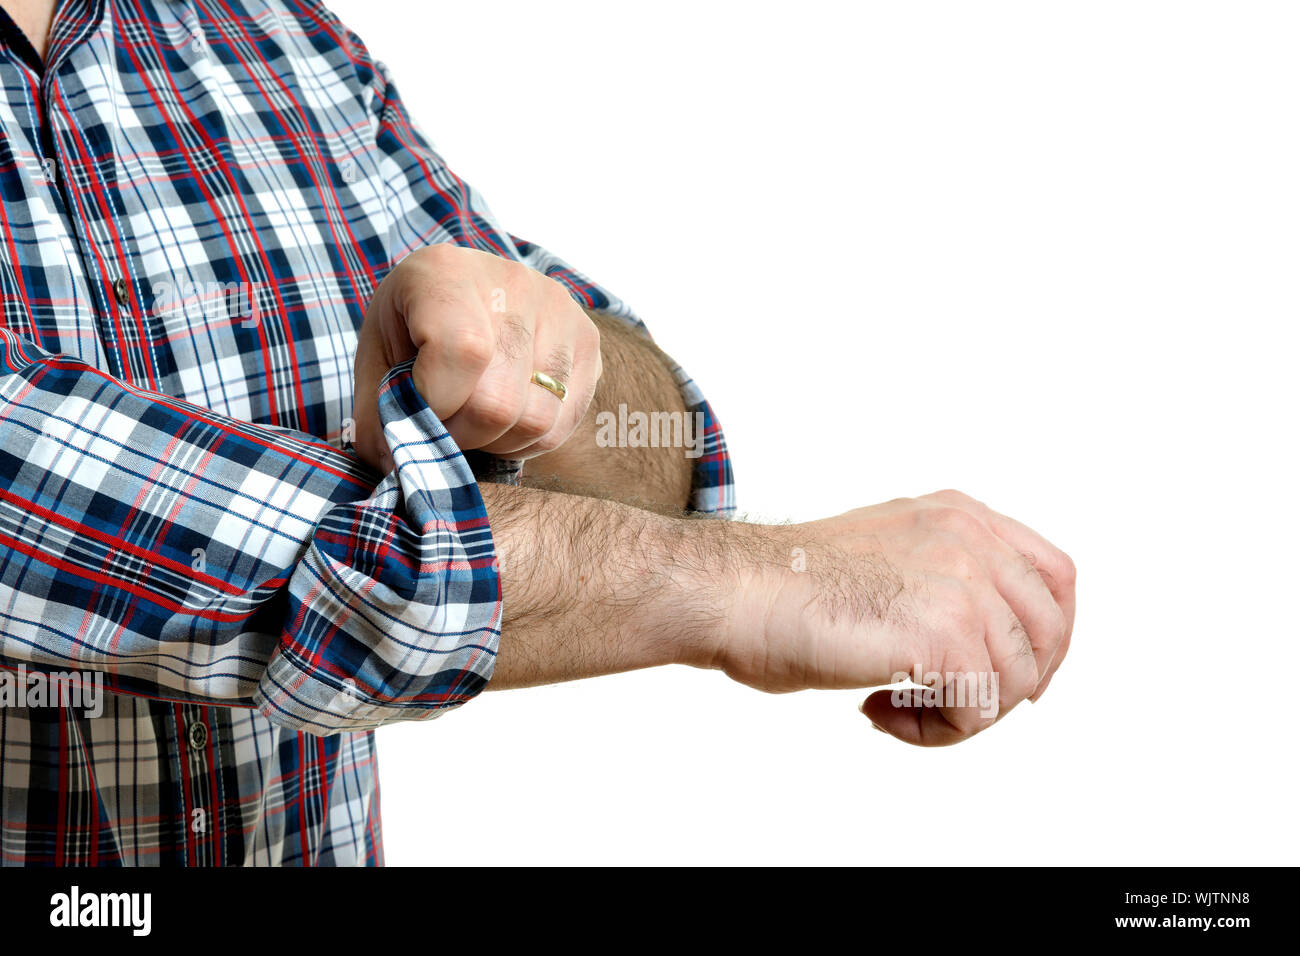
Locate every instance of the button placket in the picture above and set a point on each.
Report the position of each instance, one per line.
(196, 737)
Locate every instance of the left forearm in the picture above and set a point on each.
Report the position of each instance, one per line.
(630, 446)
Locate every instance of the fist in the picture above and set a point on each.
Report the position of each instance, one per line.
(478, 326)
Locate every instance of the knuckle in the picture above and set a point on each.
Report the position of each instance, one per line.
(492, 410)
(432, 260)
(1019, 676)
(559, 362)
(957, 521)
(439, 290)
(1022, 647)
(558, 293)
(953, 495)
(440, 252)
(1067, 572)
(957, 562)
(962, 615)
(1060, 627)
(550, 294)
(548, 441)
(970, 720)
(514, 337)
(533, 425)
(471, 346)
(1025, 661)
(1020, 683)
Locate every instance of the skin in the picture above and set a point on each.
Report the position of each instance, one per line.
(477, 326)
(612, 578)
(33, 17)
(603, 580)
(639, 376)
(933, 584)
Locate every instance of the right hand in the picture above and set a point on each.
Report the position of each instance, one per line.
(478, 326)
(939, 584)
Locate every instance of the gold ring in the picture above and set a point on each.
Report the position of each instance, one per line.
(551, 385)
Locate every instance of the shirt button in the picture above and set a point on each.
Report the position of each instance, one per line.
(119, 290)
(198, 735)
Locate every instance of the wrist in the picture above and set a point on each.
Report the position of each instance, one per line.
(752, 564)
(709, 563)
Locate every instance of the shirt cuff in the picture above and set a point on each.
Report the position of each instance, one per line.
(396, 605)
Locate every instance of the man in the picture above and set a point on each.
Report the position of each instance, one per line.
(296, 441)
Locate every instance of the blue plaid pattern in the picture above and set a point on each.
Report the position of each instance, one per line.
(198, 200)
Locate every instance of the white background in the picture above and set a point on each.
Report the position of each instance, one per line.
(1045, 253)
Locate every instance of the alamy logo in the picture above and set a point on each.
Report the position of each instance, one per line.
(133, 910)
(24, 688)
(948, 689)
(651, 430)
(207, 301)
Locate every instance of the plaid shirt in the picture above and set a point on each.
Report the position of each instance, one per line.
(199, 198)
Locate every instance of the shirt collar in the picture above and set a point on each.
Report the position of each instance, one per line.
(74, 21)
(16, 42)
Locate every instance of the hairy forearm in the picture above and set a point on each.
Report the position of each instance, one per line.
(909, 587)
(636, 376)
(592, 586)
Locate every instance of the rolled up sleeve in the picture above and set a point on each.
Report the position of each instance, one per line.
(184, 555)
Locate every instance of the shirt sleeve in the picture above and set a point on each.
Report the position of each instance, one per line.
(180, 554)
(712, 485)
(427, 203)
